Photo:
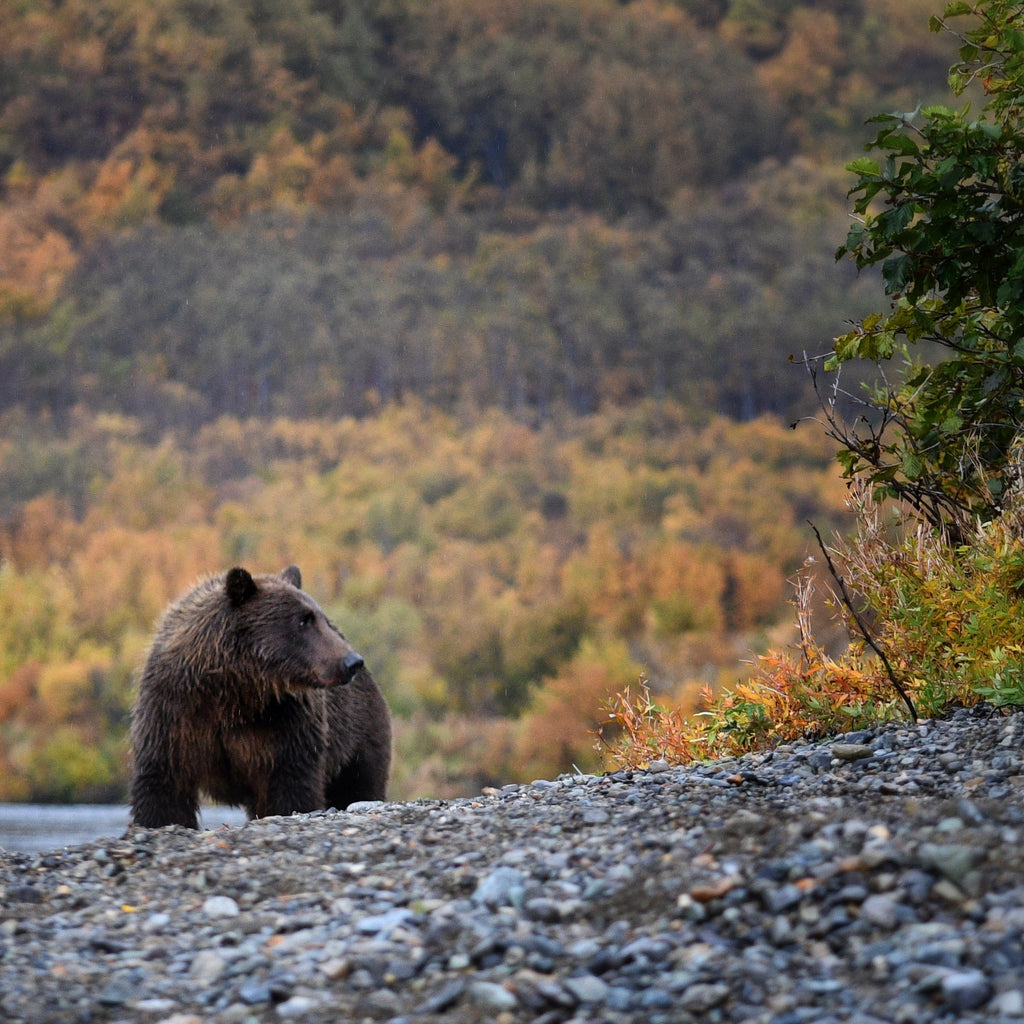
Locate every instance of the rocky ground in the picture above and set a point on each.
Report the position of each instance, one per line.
(877, 877)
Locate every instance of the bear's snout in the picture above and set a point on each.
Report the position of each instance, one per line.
(350, 665)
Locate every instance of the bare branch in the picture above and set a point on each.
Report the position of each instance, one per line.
(862, 626)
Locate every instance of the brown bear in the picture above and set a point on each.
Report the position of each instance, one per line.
(251, 695)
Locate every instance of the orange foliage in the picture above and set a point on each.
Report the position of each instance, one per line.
(43, 533)
(36, 256)
(126, 578)
(805, 67)
(606, 581)
(686, 590)
(19, 688)
(790, 695)
(128, 186)
(559, 728)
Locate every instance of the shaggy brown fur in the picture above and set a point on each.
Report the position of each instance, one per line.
(251, 695)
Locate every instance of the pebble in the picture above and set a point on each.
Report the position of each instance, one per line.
(296, 1006)
(491, 996)
(852, 751)
(220, 906)
(880, 871)
(880, 910)
(967, 990)
(586, 988)
(207, 967)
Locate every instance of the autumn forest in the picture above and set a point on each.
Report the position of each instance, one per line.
(489, 316)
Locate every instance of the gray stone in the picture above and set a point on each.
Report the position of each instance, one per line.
(386, 922)
(542, 909)
(296, 1007)
(880, 910)
(207, 967)
(954, 860)
(966, 990)
(490, 996)
(502, 887)
(783, 898)
(703, 997)
(821, 760)
(154, 1006)
(253, 993)
(118, 992)
(586, 988)
(794, 893)
(1008, 1004)
(443, 999)
(656, 999)
(852, 751)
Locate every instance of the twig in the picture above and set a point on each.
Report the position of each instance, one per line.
(862, 626)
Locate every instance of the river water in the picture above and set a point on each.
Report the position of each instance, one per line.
(34, 828)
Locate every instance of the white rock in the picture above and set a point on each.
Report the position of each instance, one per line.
(221, 906)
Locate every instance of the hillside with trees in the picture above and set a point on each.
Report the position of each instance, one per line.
(309, 207)
(483, 314)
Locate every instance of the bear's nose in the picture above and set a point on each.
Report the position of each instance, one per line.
(350, 665)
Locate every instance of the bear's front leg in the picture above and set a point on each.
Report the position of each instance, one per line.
(290, 793)
(158, 800)
(295, 782)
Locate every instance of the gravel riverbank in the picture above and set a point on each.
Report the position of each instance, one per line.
(877, 877)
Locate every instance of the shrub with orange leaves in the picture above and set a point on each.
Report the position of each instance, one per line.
(934, 626)
(791, 694)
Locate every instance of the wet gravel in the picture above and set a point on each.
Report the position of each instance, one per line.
(872, 877)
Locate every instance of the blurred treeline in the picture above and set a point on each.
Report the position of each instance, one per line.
(502, 580)
(470, 308)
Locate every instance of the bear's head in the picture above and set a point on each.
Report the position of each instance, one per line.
(287, 632)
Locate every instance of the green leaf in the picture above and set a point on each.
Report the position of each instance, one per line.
(865, 167)
(897, 272)
(912, 466)
(956, 8)
(902, 144)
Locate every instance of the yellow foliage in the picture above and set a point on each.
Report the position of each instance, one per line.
(70, 764)
(65, 689)
(36, 617)
(805, 67)
(557, 732)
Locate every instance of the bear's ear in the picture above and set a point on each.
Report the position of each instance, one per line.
(293, 576)
(240, 586)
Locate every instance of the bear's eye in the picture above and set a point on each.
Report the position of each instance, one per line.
(307, 620)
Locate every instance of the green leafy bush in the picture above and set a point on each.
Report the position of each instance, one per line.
(939, 208)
